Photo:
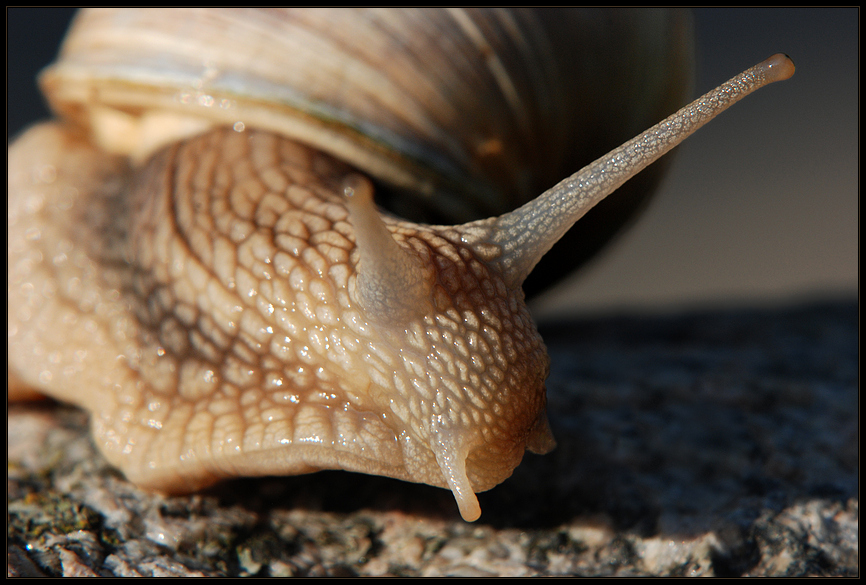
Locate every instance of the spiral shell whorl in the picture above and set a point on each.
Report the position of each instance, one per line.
(483, 108)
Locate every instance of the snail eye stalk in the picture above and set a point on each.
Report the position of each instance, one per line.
(527, 233)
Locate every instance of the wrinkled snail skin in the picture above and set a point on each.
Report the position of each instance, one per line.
(236, 305)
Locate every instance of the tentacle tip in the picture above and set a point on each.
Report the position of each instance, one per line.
(357, 189)
(470, 509)
(540, 440)
(779, 67)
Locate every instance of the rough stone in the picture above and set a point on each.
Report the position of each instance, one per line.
(718, 443)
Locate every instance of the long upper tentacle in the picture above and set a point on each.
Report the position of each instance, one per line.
(527, 233)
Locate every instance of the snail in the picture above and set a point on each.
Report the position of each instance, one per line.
(196, 268)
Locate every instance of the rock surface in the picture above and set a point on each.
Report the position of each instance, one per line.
(719, 443)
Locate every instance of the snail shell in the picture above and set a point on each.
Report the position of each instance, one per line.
(457, 114)
(228, 301)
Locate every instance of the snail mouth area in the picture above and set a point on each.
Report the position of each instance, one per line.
(489, 467)
(369, 447)
(484, 472)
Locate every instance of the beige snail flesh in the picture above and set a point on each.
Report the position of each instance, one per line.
(239, 307)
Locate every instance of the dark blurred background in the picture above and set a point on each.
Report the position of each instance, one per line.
(33, 37)
(760, 207)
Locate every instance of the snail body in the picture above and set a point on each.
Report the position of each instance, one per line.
(232, 303)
